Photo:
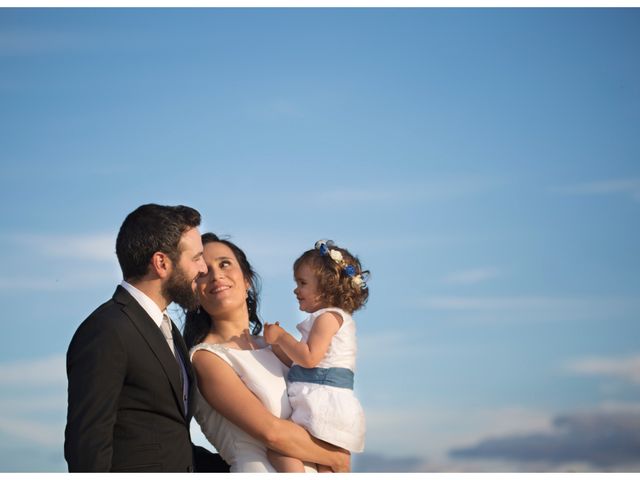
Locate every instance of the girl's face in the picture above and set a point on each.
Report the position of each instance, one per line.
(224, 288)
(306, 290)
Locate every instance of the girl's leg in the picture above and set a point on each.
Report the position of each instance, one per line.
(284, 464)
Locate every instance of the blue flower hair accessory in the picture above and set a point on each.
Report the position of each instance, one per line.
(324, 246)
(349, 270)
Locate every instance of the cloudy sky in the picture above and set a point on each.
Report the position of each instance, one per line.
(483, 164)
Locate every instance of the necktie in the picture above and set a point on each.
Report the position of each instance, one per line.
(165, 328)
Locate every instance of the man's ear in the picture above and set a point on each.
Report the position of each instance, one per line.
(161, 264)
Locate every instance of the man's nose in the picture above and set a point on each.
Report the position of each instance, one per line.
(202, 267)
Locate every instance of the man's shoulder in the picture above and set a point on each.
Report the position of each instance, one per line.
(106, 316)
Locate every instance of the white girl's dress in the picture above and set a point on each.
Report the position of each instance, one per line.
(330, 413)
(264, 374)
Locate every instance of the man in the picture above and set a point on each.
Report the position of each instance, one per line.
(130, 379)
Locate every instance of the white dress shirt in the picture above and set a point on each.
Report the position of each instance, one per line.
(145, 302)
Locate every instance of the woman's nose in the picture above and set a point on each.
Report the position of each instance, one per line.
(216, 273)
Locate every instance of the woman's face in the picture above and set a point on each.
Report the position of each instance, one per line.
(223, 289)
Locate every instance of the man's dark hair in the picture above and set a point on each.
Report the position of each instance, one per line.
(149, 229)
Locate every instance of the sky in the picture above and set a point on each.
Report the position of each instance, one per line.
(482, 163)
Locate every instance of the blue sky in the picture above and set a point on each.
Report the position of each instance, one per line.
(484, 165)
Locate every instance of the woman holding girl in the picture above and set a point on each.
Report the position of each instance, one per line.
(242, 404)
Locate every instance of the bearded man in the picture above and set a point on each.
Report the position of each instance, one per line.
(130, 378)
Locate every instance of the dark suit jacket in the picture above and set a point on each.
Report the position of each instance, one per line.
(125, 410)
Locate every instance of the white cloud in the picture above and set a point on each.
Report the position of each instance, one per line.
(433, 190)
(398, 347)
(94, 247)
(44, 400)
(630, 187)
(472, 276)
(282, 107)
(593, 439)
(96, 262)
(21, 41)
(33, 400)
(60, 281)
(626, 368)
(29, 42)
(527, 308)
(39, 372)
(36, 432)
(495, 303)
(431, 431)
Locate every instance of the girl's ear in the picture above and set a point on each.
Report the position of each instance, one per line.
(161, 264)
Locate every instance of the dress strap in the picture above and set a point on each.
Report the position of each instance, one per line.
(214, 348)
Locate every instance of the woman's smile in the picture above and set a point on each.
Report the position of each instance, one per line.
(218, 289)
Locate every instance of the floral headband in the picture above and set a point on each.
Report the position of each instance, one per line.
(349, 270)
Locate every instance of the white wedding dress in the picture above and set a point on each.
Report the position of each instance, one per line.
(264, 374)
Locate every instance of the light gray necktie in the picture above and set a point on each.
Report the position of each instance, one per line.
(165, 327)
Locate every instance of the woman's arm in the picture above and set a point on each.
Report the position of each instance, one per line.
(227, 394)
(306, 354)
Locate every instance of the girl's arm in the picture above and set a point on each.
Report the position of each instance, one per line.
(307, 354)
(227, 394)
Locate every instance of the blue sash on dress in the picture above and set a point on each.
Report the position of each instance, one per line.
(334, 376)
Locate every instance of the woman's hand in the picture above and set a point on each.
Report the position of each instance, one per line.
(342, 463)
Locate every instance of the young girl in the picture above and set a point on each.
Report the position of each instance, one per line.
(330, 285)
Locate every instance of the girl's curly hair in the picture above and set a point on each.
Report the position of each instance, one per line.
(335, 287)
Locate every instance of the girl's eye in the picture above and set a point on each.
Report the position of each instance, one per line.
(225, 263)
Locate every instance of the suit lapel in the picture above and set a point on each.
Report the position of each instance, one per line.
(154, 338)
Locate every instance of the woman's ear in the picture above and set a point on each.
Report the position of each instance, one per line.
(161, 264)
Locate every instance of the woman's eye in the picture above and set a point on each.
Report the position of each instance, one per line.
(225, 263)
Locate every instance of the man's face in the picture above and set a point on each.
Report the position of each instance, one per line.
(180, 286)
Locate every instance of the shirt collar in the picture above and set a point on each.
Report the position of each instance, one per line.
(145, 302)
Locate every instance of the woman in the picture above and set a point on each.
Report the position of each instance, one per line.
(241, 402)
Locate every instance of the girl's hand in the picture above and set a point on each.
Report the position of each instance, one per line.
(273, 332)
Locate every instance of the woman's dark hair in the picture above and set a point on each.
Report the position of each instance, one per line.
(198, 322)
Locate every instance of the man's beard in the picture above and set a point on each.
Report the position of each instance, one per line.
(178, 289)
